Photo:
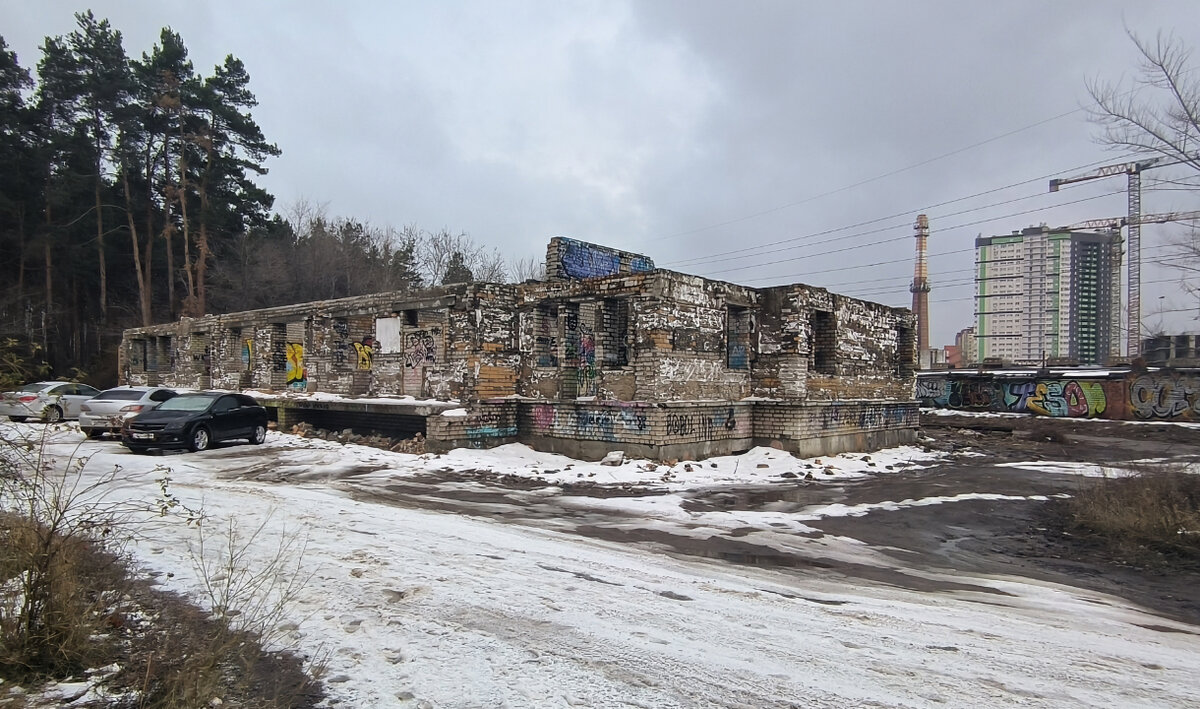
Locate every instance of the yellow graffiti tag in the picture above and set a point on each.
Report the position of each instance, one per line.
(366, 354)
(297, 376)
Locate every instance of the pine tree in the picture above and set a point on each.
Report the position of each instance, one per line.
(17, 199)
(230, 146)
(456, 270)
(99, 90)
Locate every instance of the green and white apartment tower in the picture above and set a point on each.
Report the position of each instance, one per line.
(1046, 294)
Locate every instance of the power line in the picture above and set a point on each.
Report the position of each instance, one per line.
(869, 180)
(905, 237)
(907, 213)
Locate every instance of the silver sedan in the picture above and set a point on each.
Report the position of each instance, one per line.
(49, 401)
(108, 410)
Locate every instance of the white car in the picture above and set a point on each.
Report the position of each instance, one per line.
(49, 401)
(107, 411)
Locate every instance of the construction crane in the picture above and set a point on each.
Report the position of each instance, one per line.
(1134, 171)
(1115, 224)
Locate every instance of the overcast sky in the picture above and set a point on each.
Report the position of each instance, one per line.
(687, 130)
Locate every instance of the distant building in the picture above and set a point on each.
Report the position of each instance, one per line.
(965, 349)
(1172, 351)
(1044, 294)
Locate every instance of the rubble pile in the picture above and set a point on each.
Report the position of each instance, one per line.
(414, 445)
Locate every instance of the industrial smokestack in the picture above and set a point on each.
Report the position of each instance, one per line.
(920, 288)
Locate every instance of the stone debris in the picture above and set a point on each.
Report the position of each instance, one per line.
(414, 445)
(614, 458)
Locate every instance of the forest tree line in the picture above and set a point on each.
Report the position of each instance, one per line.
(128, 197)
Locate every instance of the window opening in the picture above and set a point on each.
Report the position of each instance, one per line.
(546, 339)
(738, 329)
(614, 334)
(824, 342)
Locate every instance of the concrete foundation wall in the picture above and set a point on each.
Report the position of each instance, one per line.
(679, 430)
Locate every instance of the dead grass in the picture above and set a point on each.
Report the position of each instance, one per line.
(1148, 518)
(51, 612)
(171, 653)
(71, 602)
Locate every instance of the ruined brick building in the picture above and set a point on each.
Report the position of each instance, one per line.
(607, 353)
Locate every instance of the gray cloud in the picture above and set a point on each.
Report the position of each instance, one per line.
(679, 129)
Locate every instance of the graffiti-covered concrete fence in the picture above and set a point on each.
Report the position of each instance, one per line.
(1138, 395)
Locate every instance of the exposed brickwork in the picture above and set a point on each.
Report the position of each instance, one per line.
(605, 353)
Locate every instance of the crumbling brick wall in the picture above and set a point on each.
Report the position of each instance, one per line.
(606, 343)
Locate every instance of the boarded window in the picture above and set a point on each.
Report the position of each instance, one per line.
(389, 335)
(738, 329)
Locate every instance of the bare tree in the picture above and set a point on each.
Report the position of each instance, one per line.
(437, 251)
(528, 269)
(1158, 112)
(301, 213)
(489, 267)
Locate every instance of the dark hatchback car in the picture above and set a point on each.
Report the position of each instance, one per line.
(196, 421)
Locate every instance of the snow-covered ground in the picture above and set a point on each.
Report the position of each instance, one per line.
(417, 608)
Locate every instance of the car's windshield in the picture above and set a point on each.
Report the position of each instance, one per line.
(186, 403)
(33, 387)
(121, 394)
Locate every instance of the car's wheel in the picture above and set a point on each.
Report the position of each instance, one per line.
(52, 414)
(200, 439)
(259, 435)
(17, 419)
(93, 432)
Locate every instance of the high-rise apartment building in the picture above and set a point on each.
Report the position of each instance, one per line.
(1044, 294)
(968, 346)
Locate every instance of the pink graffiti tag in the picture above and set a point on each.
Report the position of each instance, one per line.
(543, 417)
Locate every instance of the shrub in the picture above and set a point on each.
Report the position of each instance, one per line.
(1155, 511)
(68, 597)
(54, 531)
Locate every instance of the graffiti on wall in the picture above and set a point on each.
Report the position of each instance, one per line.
(365, 352)
(485, 425)
(581, 260)
(420, 349)
(247, 352)
(546, 340)
(297, 374)
(586, 366)
(641, 264)
(1063, 398)
(1057, 398)
(867, 417)
(579, 354)
(341, 334)
(608, 423)
(1164, 396)
(703, 426)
